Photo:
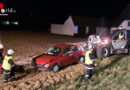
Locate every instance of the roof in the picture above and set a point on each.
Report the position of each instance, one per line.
(125, 15)
(85, 21)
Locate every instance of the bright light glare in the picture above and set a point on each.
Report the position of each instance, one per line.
(106, 41)
(6, 22)
(15, 23)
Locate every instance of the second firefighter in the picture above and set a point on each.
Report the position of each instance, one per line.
(89, 62)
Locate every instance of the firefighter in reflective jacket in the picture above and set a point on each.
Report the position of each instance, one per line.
(8, 65)
(1, 54)
(89, 61)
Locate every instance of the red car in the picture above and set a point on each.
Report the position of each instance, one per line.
(59, 56)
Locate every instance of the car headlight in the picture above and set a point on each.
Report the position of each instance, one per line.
(46, 65)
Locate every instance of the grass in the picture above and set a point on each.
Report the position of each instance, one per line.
(112, 73)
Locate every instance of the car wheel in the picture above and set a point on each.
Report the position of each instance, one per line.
(103, 52)
(81, 59)
(56, 68)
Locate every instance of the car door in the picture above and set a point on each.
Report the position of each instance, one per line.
(75, 54)
(117, 43)
(66, 57)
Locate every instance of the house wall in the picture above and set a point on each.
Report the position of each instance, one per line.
(68, 27)
(56, 29)
(124, 25)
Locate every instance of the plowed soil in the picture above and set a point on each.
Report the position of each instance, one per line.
(28, 45)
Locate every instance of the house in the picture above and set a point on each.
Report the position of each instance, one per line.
(123, 21)
(77, 25)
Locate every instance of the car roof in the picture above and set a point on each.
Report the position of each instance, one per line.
(67, 45)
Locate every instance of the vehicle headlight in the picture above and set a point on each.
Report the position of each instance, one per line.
(46, 65)
(105, 41)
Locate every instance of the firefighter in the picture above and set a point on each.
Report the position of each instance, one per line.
(89, 62)
(1, 53)
(8, 65)
(121, 36)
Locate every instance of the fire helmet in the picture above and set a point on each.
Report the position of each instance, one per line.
(1, 46)
(10, 52)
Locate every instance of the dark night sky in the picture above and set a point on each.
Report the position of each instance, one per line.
(53, 11)
(45, 12)
(88, 8)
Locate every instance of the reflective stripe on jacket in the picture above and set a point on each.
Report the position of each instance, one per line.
(87, 58)
(6, 65)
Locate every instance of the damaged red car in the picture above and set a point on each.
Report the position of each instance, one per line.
(59, 56)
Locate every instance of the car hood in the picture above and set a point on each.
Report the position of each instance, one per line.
(45, 59)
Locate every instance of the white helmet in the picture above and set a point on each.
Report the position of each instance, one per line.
(10, 52)
(1, 46)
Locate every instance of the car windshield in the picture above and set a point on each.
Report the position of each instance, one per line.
(53, 51)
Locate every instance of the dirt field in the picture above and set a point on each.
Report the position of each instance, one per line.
(29, 45)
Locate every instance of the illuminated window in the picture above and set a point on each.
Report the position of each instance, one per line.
(75, 29)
